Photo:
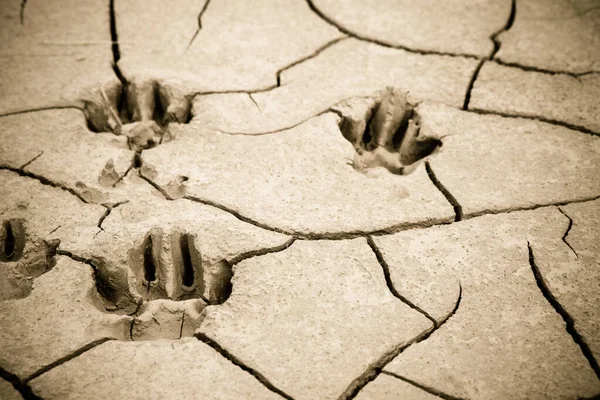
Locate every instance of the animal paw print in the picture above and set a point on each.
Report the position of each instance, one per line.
(141, 110)
(385, 132)
(170, 267)
(21, 261)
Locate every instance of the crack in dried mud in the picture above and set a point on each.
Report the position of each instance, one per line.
(43, 181)
(355, 234)
(528, 68)
(202, 11)
(388, 280)
(314, 54)
(20, 386)
(32, 110)
(22, 12)
(357, 36)
(116, 51)
(569, 321)
(497, 44)
(236, 361)
(427, 389)
(579, 128)
(109, 208)
(32, 160)
(377, 367)
(451, 199)
(564, 238)
(261, 252)
(66, 358)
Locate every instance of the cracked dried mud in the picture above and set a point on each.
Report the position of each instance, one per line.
(299, 199)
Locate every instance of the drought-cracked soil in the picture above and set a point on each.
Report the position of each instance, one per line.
(306, 199)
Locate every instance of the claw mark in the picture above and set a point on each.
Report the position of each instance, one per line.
(12, 240)
(564, 238)
(570, 323)
(108, 105)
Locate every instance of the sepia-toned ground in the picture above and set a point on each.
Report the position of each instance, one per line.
(299, 199)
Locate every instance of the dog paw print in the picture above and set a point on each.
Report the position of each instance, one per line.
(141, 110)
(384, 130)
(161, 266)
(22, 261)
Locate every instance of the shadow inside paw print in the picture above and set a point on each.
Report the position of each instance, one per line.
(141, 110)
(22, 261)
(384, 130)
(166, 266)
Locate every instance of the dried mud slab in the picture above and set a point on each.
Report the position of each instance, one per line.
(298, 181)
(386, 387)
(150, 248)
(167, 319)
(505, 340)
(58, 146)
(8, 392)
(312, 318)
(347, 69)
(54, 58)
(562, 35)
(424, 26)
(35, 219)
(552, 97)
(573, 275)
(61, 315)
(165, 41)
(493, 164)
(180, 369)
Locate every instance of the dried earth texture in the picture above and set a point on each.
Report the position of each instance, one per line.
(300, 199)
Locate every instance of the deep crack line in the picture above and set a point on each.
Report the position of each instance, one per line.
(32, 110)
(506, 27)
(32, 160)
(570, 323)
(314, 54)
(425, 388)
(377, 367)
(355, 35)
(44, 181)
(579, 128)
(528, 68)
(261, 252)
(116, 51)
(388, 280)
(451, 199)
(199, 24)
(22, 12)
(23, 388)
(494, 39)
(66, 358)
(471, 84)
(109, 208)
(236, 361)
(564, 238)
